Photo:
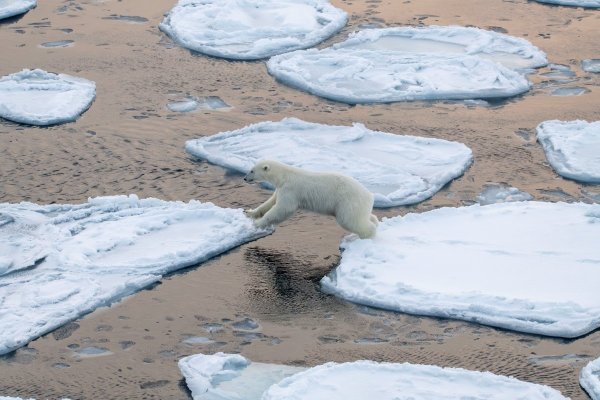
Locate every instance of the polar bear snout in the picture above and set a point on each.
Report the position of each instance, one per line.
(249, 177)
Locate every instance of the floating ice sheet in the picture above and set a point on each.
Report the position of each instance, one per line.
(10, 8)
(367, 76)
(590, 379)
(398, 169)
(251, 29)
(230, 376)
(572, 148)
(508, 50)
(233, 377)
(37, 97)
(526, 266)
(501, 193)
(99, 252)
(573, 3)
(591, 65)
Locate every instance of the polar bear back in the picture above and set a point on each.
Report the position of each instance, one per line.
(322, 192)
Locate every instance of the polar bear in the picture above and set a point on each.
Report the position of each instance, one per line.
(325, 193)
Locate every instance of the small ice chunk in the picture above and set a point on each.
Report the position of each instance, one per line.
(10, 8)
(230, 376)
(510, 51)
(37, 97)
(591, 65)
(500, 193)
(572, 148)
(559, 71)
(251, 29)
(98, 252)
(570, 91)
(185, 105)
(192, 103)
(365, 76)
(128, 18)
(198, 340)
(389, 381)
(487, 264)
(58, 43)
(590, 379)
(397, 169)
(92, 351)
(573, 3)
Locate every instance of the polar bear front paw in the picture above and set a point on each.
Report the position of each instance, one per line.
(250, 213)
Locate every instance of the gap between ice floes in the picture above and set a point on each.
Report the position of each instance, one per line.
(99, 252)
(397, 169)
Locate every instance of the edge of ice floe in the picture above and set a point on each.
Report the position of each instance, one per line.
(524, 48)
(572, 3)
(88, 88)
(560, 166)
(589, 381)
(334, 27)
(18, 9)
(585, 322)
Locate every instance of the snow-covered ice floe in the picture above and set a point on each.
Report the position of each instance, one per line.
(67, 260)
(572, 148)
(590, 379)
(403, 64)
(367, 76)
(37, 97)
(398, 169)
(233, 377)
(10, 8)
(526, 266)
(251, 29)
(510, 51)
(573, 3)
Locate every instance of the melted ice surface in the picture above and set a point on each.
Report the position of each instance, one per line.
(572, 148)
(251, 29)
(37, 97)
(397, 169)
(488, 264)
(10, 8)
(95, 253)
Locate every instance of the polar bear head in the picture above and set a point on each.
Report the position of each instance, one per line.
(260, 172)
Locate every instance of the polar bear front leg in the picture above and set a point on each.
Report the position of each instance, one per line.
(278, 213)
(263, 208)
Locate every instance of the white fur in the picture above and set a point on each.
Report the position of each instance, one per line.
(325, 193)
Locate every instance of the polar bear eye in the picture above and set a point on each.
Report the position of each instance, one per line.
(266, 167)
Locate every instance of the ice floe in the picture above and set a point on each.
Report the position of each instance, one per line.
(591, 65)
(398, 169)
(407, 63)
(573, 3)
(508, 50)
(500, 193)
(98, 252)
(251, 29)
(590, 379)
(10, 8)
(366, 76)
(37, 97)
(572, 148)
(525, 266)
(233, 377)
(230, 376)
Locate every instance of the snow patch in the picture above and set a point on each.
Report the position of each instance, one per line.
(590, 379)
(398, 169)
(462, 263)
(37, 97)
(99, 252)
(572, 148)
(10, 8)
(251, 29)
